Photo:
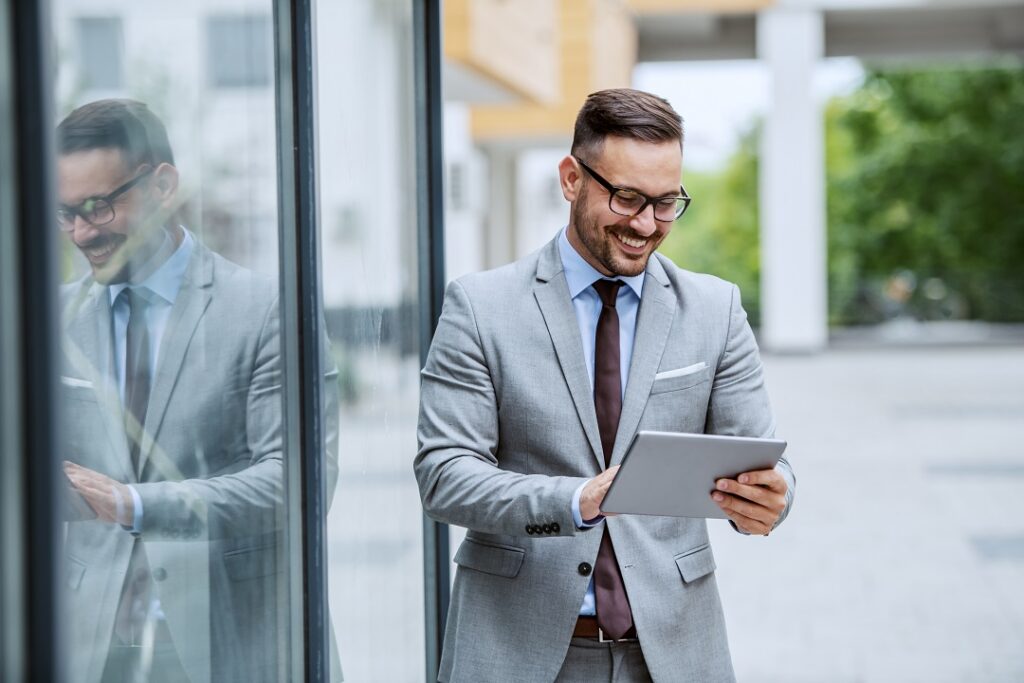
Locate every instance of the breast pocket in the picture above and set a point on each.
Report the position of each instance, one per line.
(678, 404)
(685, 380)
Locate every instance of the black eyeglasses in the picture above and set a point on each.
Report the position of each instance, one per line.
(95, 210)
(629, 203)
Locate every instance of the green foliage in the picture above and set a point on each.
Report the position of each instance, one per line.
(926, 195)
(718, 234)
(925, 182)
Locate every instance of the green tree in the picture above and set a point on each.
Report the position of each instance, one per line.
(926, 181)
(718, 234)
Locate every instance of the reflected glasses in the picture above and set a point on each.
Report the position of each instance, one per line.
(626, 202)
(95, 210)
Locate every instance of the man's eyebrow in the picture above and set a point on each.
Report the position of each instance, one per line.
(664, 195)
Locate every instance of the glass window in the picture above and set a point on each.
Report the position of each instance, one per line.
(239, 51)
(368, 208)
(11, 521)
(100, 52)
(172, 375)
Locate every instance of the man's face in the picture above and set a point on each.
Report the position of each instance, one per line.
(614, 244)
(116, 249)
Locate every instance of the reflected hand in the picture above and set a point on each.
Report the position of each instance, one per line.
(754, 500)
(102, 493)
(593, 494)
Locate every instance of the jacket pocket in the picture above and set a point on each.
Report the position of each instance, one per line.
(666, 384)
(499, 560)
(74, 570)
(252, 563)
(695, 563)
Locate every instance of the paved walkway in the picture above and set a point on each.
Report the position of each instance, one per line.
(903, 559)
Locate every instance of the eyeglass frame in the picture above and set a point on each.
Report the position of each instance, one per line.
(73, 211)
(648, 200)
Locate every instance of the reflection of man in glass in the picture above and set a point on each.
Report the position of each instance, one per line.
(173, 425)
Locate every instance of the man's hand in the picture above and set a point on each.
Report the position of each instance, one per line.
(593, 493)
(102, 493)
(755, 501)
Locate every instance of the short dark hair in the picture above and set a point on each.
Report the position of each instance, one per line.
(626, 113)
(127, 125)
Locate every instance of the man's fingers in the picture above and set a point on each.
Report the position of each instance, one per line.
(751, 526)
(769, 478)
(731, 503)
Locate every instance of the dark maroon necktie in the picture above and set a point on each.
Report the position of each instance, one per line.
(136, 372)
(613, 613)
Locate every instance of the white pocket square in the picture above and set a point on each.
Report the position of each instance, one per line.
(680, 372)
(75, 382)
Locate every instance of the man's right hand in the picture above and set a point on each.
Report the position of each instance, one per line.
(594, 492)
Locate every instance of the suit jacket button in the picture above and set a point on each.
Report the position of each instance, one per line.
(546, 528)
(554, 527)
(529, 529)
(159, 574)
(584, 569)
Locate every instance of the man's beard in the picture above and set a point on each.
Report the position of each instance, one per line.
(598, 241)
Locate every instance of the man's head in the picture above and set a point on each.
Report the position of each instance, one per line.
(116, 185)
(626, 154)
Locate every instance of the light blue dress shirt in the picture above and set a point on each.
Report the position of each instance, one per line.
(580, 275)
(160, 290)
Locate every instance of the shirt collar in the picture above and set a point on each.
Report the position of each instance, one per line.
(165, 281)
(580, 275)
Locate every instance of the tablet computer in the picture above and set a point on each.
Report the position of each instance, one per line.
(667, 473)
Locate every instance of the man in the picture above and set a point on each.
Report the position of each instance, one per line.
(538, 377)
(172, 397)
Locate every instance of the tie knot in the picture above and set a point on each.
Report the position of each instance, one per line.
(608, 290)
(137, 298)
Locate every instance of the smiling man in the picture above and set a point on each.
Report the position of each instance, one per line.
(172, 433)
(538, 377)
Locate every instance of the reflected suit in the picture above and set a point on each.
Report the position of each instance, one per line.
(210, 476)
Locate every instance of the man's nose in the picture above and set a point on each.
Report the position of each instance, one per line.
(82, 229)
(644, 222)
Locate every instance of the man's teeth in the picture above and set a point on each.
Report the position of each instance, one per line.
(630, 242)
(100, 252)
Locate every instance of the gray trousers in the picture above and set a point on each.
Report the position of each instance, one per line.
(589, 661)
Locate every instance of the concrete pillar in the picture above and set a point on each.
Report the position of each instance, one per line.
(790, 42)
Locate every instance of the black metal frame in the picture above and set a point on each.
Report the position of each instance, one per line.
(302, 332)
(430, 214)
(38, 322)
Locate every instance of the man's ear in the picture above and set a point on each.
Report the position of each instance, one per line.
(165, 184)
(569, 178)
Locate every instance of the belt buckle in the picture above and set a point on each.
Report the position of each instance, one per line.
(602, 639)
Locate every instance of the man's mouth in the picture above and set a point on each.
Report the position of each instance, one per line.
(100, 253)
(633, 244)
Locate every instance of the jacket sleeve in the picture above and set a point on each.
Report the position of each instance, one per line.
(458, 465)
(739, 403)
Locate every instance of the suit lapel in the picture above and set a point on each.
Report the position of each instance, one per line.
(653, 324)
(552, 294)
(188, 309)
(89, 347)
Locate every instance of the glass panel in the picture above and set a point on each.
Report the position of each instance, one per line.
(11, 522)
(100, 55)
(369, 237)
(171, 376)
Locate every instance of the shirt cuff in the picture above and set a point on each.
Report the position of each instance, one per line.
(136, 527)
(577, 517)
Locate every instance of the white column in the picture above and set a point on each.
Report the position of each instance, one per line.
(790, 42)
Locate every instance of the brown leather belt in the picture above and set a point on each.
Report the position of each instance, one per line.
(586, 627)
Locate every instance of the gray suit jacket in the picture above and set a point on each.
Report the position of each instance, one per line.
(210, 475)
(507, 432)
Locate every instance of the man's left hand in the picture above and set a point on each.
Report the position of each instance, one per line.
(102, 493)
(754, 501)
